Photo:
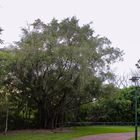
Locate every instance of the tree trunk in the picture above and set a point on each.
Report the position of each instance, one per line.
(7, 114)
(41, 115)
(6, 121)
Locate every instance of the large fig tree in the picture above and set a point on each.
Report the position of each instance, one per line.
(55, 63)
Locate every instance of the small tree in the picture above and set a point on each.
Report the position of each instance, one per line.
(5, 61)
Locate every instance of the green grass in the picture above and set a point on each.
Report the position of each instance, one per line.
(75, 132)
(134, 138)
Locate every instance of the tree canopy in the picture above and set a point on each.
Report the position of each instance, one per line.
(56, 68)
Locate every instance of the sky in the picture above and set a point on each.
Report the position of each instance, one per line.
(118, 20)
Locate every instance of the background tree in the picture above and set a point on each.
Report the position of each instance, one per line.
(1, 41)
(118, 107)
(5, 58)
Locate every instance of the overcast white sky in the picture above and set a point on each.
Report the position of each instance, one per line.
(119, 20)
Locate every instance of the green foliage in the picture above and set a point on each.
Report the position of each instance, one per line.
(6, 58)
(116, 107)
(99, 108)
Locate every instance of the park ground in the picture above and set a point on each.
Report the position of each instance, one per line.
(64, 134)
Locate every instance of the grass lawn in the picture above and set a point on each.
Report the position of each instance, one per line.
(134, 138)
(75, 132)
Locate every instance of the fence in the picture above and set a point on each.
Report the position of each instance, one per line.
(69, 124)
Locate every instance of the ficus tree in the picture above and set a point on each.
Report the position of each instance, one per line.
(54, 64)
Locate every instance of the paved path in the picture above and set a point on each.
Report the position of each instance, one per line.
(109, 136)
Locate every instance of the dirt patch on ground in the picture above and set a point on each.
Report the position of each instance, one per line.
(14, 132)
